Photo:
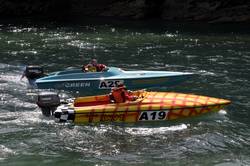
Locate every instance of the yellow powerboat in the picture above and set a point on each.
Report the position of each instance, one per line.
(150, 106)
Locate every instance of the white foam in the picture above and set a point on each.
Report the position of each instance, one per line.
(5, 152)
(156, 130)
(222, 112)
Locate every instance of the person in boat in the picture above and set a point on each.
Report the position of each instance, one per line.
(120, 94)
(94, 66)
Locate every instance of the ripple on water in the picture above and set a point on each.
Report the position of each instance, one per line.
(5, 152)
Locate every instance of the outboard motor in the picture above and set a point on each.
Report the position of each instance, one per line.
(48, 102)
(33, 72)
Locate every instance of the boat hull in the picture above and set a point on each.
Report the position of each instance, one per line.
(102, 82)
(152, 106)
(105, 85)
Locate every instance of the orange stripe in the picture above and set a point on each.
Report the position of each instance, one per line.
(138, 112)
(196, 100)
(176, 99)
(91, 115)
(183, 101)
(162, 101)
(125, 115)
(192, 110)
(181, 111)
(103, 111)
(151, 100)
(115, 110)
(175, 114)
(204, 107)
(218, 101)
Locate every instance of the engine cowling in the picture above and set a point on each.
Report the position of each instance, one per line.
(34, 72)
(48, 102)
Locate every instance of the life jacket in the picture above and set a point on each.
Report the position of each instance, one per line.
(118, 95)
(92, 69)
(89, 68)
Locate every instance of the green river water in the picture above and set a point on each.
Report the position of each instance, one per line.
(218, 54)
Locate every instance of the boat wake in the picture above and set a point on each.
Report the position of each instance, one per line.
(24, 118)
(145, 131)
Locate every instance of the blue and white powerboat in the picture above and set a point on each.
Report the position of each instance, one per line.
(102, 82)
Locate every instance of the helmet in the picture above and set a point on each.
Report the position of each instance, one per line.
(93, 61)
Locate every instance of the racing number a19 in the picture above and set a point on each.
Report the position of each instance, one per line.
(152, 115)
(109, 84)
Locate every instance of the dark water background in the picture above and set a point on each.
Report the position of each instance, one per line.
(219, 54)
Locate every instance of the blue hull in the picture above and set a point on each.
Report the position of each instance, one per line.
(102, 82)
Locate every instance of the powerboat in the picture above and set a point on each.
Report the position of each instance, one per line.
(102, 82)
(149, 106)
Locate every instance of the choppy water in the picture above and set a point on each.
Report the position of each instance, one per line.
(220, 54)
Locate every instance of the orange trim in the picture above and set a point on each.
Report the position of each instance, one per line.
(113, 115)
(125, 115)
(103, 112)
(138, 112)
(162, 101)
(151, 100)
(91, 115)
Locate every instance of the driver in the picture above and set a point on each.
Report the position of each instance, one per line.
(94, 66)
(120, 94)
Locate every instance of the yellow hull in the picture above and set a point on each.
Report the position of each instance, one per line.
(151, 106)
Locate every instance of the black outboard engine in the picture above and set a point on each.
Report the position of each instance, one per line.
(34, 72)
(48, 102)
